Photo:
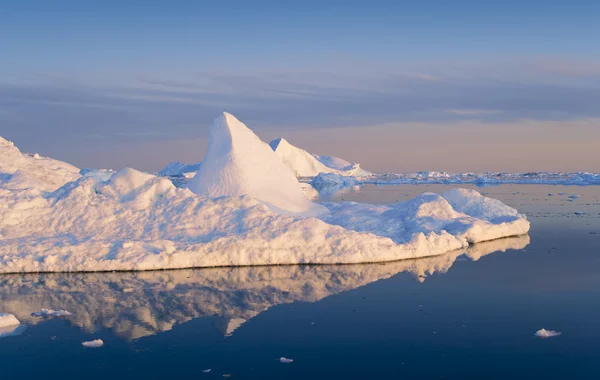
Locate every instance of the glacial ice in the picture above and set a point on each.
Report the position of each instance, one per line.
(96, 343)
(245, 207)
(543, 333)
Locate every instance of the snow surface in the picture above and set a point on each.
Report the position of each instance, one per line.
(304, 164)
(93, 343)
(8, 320)
(543, 333)
(299, 161)
(245, 208)
(50, 313)
(24, 171)
(238, 163)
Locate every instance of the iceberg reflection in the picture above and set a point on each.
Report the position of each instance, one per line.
(138, 304)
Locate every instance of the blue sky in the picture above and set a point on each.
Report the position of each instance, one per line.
(123, 77)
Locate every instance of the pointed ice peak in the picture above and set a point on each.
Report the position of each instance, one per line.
(238, 163)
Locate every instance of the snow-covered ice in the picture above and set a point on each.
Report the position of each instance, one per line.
(304, 164)
(93, 343)
(7, 320)
(245, 208)
(238, 163)
(51, 313)
(543, 333)
(285, 360)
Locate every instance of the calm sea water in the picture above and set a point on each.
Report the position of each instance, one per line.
(464, 315)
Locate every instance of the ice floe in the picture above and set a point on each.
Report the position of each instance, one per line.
(7, 320)
(50, 313)
(543, 333)
(93, 343)
(245, 207)
(285, 360)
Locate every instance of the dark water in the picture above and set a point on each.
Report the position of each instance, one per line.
(464, 315)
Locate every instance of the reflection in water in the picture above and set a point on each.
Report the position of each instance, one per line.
(138, 304)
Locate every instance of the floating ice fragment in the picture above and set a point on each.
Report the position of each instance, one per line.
(7, 320)
(93, 343)
(543, 333)
(207, 370)
(51, 313)
(285, 360)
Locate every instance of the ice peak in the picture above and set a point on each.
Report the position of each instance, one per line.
(238, 163)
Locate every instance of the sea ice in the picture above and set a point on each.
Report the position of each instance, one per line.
(8, 320)
(245, 208)
(543, 333)
(50, 313)
(285, 360)
(93, 343)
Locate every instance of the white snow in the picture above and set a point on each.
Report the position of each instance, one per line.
(285, 360)
(238, 163)
(246, 208)
(304, 164)
(93, 343)
(23, 171)
(8, 320)
(50, 313)
(543, 333)
(299, 161)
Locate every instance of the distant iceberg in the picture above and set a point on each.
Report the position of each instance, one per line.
(543, 333)
(243, 207)
(178, 169)
(324, 181)
(304, 164)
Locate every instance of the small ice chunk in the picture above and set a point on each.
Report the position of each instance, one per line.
(285, 360)
(51, 313)
(93, 343)
(543, 333)
(7, 320)
(574, 196)
(207, 370)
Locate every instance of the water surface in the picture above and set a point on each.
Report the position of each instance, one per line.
(465, 315)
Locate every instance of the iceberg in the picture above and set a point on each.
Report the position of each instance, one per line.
(178, 169)
(299, 161)
(23, 171)
(544, 334)
(304, 164)
(96, 343)
(243, 207)
(238, 163)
